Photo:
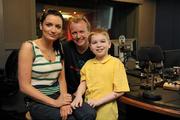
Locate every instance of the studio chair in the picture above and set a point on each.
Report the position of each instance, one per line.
(151, 62)
(12, 100)
(9, 83)
(143, 58)
(157, 65)
(156, 57)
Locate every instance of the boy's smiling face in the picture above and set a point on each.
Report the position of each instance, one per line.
(100, 45)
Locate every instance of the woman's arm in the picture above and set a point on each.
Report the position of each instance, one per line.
(108, 98)
(66, 109)
(25, 60)
(62, 81)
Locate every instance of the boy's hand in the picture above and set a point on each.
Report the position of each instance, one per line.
(93, 103)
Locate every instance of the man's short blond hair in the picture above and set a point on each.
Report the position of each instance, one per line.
(76, 19)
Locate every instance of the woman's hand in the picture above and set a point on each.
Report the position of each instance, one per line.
(65, 111)
(63, 99)
(77, 102)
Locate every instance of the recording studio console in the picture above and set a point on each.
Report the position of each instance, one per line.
(146, 84)
(175, 85)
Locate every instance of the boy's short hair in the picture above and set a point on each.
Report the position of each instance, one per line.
(99, 31)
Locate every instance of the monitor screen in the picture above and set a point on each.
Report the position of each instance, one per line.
(171, 58)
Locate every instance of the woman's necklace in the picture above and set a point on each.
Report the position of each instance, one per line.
(50, 56)
(47, 51)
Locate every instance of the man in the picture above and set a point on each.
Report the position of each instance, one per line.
(76, 53)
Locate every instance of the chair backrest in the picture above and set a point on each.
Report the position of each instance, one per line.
(152, 54)
(156, 54)
(9, 84)
(143, 57)
(11, 65)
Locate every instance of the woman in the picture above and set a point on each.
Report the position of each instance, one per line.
(41, 72)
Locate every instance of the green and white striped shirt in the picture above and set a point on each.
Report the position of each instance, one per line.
(45, 73)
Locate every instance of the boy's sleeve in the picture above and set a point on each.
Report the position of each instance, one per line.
(120, 78)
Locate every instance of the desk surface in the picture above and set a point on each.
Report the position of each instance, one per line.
(168, 105)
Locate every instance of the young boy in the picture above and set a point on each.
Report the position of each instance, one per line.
(103, 78)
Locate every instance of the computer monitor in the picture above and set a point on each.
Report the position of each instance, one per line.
(171, 58)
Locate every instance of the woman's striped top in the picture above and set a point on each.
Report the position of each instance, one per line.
(45, 73)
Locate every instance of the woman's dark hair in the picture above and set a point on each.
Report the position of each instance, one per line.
(56, 45)
(51, 12)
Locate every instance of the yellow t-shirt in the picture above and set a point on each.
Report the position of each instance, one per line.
(102, 78)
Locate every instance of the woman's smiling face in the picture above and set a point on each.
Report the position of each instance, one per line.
(51, 27)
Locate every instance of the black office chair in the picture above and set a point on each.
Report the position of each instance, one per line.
(157, 66)
(156, 57)
(9, 81)
(12, 100)
(156, 54)
(150, 61)
(143, 58)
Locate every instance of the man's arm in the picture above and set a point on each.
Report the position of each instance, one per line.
(77, 102)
